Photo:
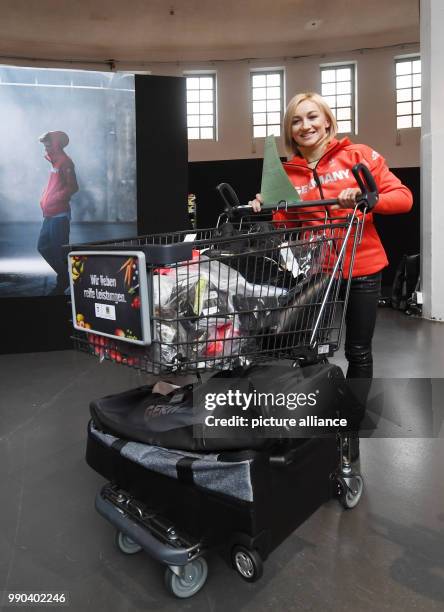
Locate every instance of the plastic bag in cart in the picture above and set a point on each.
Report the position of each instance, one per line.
(194, 313)
(264, 256)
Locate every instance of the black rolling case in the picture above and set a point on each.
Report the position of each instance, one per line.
(242, 502)
(249, 498)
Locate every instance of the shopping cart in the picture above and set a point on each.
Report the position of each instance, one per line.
(232, 299)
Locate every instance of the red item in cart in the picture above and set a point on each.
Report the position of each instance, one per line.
(215, 348)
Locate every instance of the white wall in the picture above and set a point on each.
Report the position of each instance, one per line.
(376, 103)
(432, 212)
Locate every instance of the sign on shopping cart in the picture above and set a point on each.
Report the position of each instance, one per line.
(109, 294)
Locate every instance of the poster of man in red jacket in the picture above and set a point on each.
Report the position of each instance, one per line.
(55, 205)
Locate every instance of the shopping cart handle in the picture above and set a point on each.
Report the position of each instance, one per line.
(366, 201)
(228, 195)
(369, 191)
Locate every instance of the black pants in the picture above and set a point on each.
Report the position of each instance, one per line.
(360, 326)
(54, 234)
(361, 319)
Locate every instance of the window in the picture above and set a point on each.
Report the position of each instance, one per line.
(338, 89)
(408, 92)
(201, 106)
(267, 95)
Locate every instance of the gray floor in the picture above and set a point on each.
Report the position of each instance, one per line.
(386, 554)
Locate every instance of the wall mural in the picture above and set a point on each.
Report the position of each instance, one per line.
(68, 170)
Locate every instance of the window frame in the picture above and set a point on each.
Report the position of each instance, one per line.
(399, 59)
(265, 72)
(203, 74)
(353, 92)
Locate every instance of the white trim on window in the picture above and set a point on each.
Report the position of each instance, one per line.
(201, 104)
(346, 113)
(408, 91)
(267, 96)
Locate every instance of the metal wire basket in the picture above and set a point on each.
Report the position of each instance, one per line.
(230, 295)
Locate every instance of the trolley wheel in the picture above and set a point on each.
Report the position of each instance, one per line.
(348, 498)
(190, 581)
(247, 562)
(126, 545)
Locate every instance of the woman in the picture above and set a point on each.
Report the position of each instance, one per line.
(320, 168)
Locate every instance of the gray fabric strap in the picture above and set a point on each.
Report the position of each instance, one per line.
(119, 444)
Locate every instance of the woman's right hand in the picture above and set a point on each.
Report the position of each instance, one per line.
(256, 203)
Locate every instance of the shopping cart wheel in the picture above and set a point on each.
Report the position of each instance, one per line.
(247, 562)
(126, 545)
(350, 490)
(189, 579)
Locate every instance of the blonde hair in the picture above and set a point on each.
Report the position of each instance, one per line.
(332, 130)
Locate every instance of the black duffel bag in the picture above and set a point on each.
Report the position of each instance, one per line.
(179, 420)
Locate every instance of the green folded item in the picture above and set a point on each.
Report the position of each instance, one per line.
(275, 184)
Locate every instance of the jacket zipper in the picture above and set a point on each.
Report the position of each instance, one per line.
(318, 181)
(319, 186)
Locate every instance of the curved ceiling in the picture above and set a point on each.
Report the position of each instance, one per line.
(138, 31)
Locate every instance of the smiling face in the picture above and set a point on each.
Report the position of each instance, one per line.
(309, 126)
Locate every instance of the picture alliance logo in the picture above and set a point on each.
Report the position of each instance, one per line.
(244, 401)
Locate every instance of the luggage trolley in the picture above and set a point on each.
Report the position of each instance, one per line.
(232, 303)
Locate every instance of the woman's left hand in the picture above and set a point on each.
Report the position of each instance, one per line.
(347, 198)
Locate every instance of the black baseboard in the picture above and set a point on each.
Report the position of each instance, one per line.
(244, 175)
(401, 234)
(29, 325)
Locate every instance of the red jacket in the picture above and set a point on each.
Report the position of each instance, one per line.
(333, 174)
(61, 186)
